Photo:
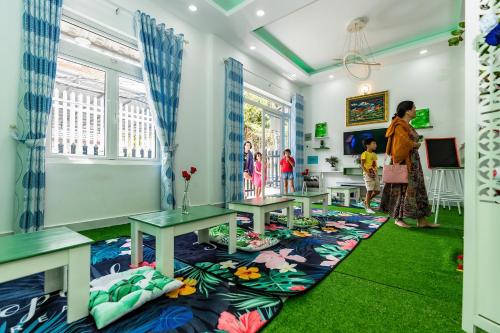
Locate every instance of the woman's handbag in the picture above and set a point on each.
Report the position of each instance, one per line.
(394, 173)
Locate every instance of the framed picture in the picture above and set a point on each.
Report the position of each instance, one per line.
(422, 119)
(321, 130)
(367, 109)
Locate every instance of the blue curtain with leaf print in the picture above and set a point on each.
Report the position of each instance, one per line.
(161, 51)
(41, 29)
(298, 139)
(232, 171)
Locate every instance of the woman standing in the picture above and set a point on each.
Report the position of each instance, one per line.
(406, 200)
(247, 167)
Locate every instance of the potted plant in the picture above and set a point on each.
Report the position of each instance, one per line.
(334, 161)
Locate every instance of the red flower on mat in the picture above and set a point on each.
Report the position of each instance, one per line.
(248, 323)
(460, 267)
(348, 244)
(185, 174)
(297, 288)
(144, 264)
(460, 257)
(193, 170)
(253, 235)
(273, 227)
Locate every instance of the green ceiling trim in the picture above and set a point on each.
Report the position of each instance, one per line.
(228, 5)
(282, 49)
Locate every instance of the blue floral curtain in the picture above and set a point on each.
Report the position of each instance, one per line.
(233, 132)
(41, 27)
(161, 50)
(298, 140)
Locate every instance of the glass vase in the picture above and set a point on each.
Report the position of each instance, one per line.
(304, 187)
(185, 203)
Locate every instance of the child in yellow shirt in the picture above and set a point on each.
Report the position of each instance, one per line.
(370, 172)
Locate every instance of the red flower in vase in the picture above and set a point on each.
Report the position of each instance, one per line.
(187, 178)
(193, 170)
(305, 172)
(185, 174)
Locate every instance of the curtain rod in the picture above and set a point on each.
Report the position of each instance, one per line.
(263, 78)
(119, 9)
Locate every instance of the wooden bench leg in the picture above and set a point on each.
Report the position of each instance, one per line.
(259, 219)
(78, 283)
(136, 244)
(325, 204)
(306, 208)
(54, 280)
(165, 251)
(347, 198)
(203, 236)
(290, 213)
(232, 234)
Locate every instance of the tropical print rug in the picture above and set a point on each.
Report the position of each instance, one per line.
(301, 259)
(205, 303)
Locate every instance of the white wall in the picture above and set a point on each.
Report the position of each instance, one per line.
(433, 81)
(10, 66)
(77, 192)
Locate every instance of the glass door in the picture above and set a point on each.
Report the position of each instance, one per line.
(273, 147)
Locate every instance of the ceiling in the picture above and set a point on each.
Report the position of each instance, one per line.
(302, 38)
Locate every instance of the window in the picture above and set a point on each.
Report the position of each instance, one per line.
(135, 125)
(99, 108)
(78, 110)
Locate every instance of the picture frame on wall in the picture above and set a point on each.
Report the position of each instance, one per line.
(367, 109)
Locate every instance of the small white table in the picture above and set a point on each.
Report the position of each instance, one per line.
(307, 199)
(346, 191)
(165, 225)
(260, 208)
(50, 251)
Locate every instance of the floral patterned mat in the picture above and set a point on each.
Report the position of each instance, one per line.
(205, 303)
(302, 258)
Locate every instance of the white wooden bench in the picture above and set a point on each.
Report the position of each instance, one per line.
(50, 251)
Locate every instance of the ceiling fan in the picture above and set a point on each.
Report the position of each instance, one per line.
(356, 51)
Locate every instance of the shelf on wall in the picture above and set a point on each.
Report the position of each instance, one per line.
(320, 148)
(424, 127)
(321, 138)
(357, 171)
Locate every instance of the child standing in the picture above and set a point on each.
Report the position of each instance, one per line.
(370, 172)
(257, 174)
(287, 163)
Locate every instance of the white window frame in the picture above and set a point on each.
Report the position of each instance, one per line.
(113, 69)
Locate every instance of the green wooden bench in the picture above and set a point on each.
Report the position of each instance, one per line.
(165, 225)
(50, 251)
(260, 208)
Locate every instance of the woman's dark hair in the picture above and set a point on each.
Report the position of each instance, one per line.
(403, 107)
(244, 144)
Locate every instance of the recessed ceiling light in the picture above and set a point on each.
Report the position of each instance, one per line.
(260, 13)
(252, 47)
(331, 76)
(424, 51)
(82, 41)
(192, 8)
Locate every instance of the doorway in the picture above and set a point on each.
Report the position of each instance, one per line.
(267, 128)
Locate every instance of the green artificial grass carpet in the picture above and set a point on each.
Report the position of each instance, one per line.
(399, 280)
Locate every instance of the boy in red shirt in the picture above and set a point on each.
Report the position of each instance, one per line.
(287, 163)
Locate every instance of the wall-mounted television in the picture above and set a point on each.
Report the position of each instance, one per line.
(353, 141)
